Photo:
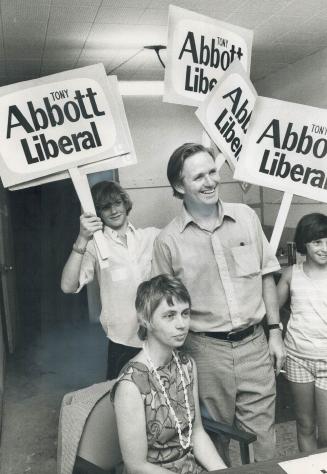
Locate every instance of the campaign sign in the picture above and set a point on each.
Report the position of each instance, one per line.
(200, 49)
(286, 149)
(226, 112)
(58, 122)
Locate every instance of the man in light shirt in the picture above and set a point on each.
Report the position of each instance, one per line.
(221, 255)
(129, 261)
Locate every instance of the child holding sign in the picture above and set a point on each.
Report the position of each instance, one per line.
(306, 336)
(129, 252)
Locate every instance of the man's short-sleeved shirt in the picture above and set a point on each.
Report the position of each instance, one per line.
(222, 269)
(129, 265)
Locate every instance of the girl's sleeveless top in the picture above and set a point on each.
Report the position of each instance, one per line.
(306, 335)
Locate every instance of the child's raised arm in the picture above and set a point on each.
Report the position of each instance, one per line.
(283, 287)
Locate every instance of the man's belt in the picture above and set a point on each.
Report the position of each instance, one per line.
(231, 336)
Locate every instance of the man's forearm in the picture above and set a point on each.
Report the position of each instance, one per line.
(270, 298)
(276, 345)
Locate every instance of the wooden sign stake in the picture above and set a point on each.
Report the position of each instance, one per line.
(281, 219)
(83, 191)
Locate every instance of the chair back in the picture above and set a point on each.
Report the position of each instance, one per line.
(87, 428)
(99, 443)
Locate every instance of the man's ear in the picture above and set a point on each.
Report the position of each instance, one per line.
(179, 187)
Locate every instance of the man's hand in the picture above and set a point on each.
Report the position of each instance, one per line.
(89, 223)
(277, 349)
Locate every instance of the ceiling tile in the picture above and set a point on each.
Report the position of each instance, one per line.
(118, 15)
(83, 62)
(100, 54)
(219, 9)
(72, 13)
(130, 60)
(56, 52)
(24, 31)
(20, 11)
(154, 16)
(49, 67)
(304, 9)
(24, 41)
(279, 24)
(261, 70)
(316, 29)
(65, 40)
(67, 30)
(126, 3)
(20, 50)
(24, 67)
(95, 4)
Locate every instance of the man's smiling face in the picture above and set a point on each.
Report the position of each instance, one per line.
(199, 182)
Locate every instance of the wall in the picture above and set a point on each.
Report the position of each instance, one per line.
(303, 82)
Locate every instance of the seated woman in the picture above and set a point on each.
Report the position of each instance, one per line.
(156, 395)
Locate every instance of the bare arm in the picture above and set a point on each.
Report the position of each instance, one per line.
(276, 345)
(283, 287)
(89, 223)
(131, 425)
(204, 449)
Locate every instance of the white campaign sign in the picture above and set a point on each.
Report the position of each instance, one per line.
(226, 112)
(286, 149)
(312, 464)
(200, 49)
(54, 123)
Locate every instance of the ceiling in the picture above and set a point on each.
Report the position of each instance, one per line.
(41, 37)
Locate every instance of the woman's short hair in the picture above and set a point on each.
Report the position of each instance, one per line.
(176, 163)
(106, 193)
(152, 292)
(310, 227)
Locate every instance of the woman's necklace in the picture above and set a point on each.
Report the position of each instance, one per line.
(184, 444)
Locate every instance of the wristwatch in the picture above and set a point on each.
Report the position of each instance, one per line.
(276, 326)
(80, 250)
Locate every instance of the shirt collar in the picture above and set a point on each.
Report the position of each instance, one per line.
(225, 209)
(114, 234)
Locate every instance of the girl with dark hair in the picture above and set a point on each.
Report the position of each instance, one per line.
(306, 336)
(156, 396)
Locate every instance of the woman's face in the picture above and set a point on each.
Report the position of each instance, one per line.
(170, 324)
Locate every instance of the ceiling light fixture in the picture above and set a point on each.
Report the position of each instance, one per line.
(157, 48)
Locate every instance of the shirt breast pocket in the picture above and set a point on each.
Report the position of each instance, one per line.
(246, 260)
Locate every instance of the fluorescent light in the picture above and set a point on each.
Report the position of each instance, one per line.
(141, 87)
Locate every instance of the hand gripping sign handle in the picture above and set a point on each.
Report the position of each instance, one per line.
(84, 194)
(280, 221)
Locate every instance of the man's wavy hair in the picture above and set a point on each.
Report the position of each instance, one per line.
(176, 163)
(152, 292)
(310, 227)
(106, 193)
